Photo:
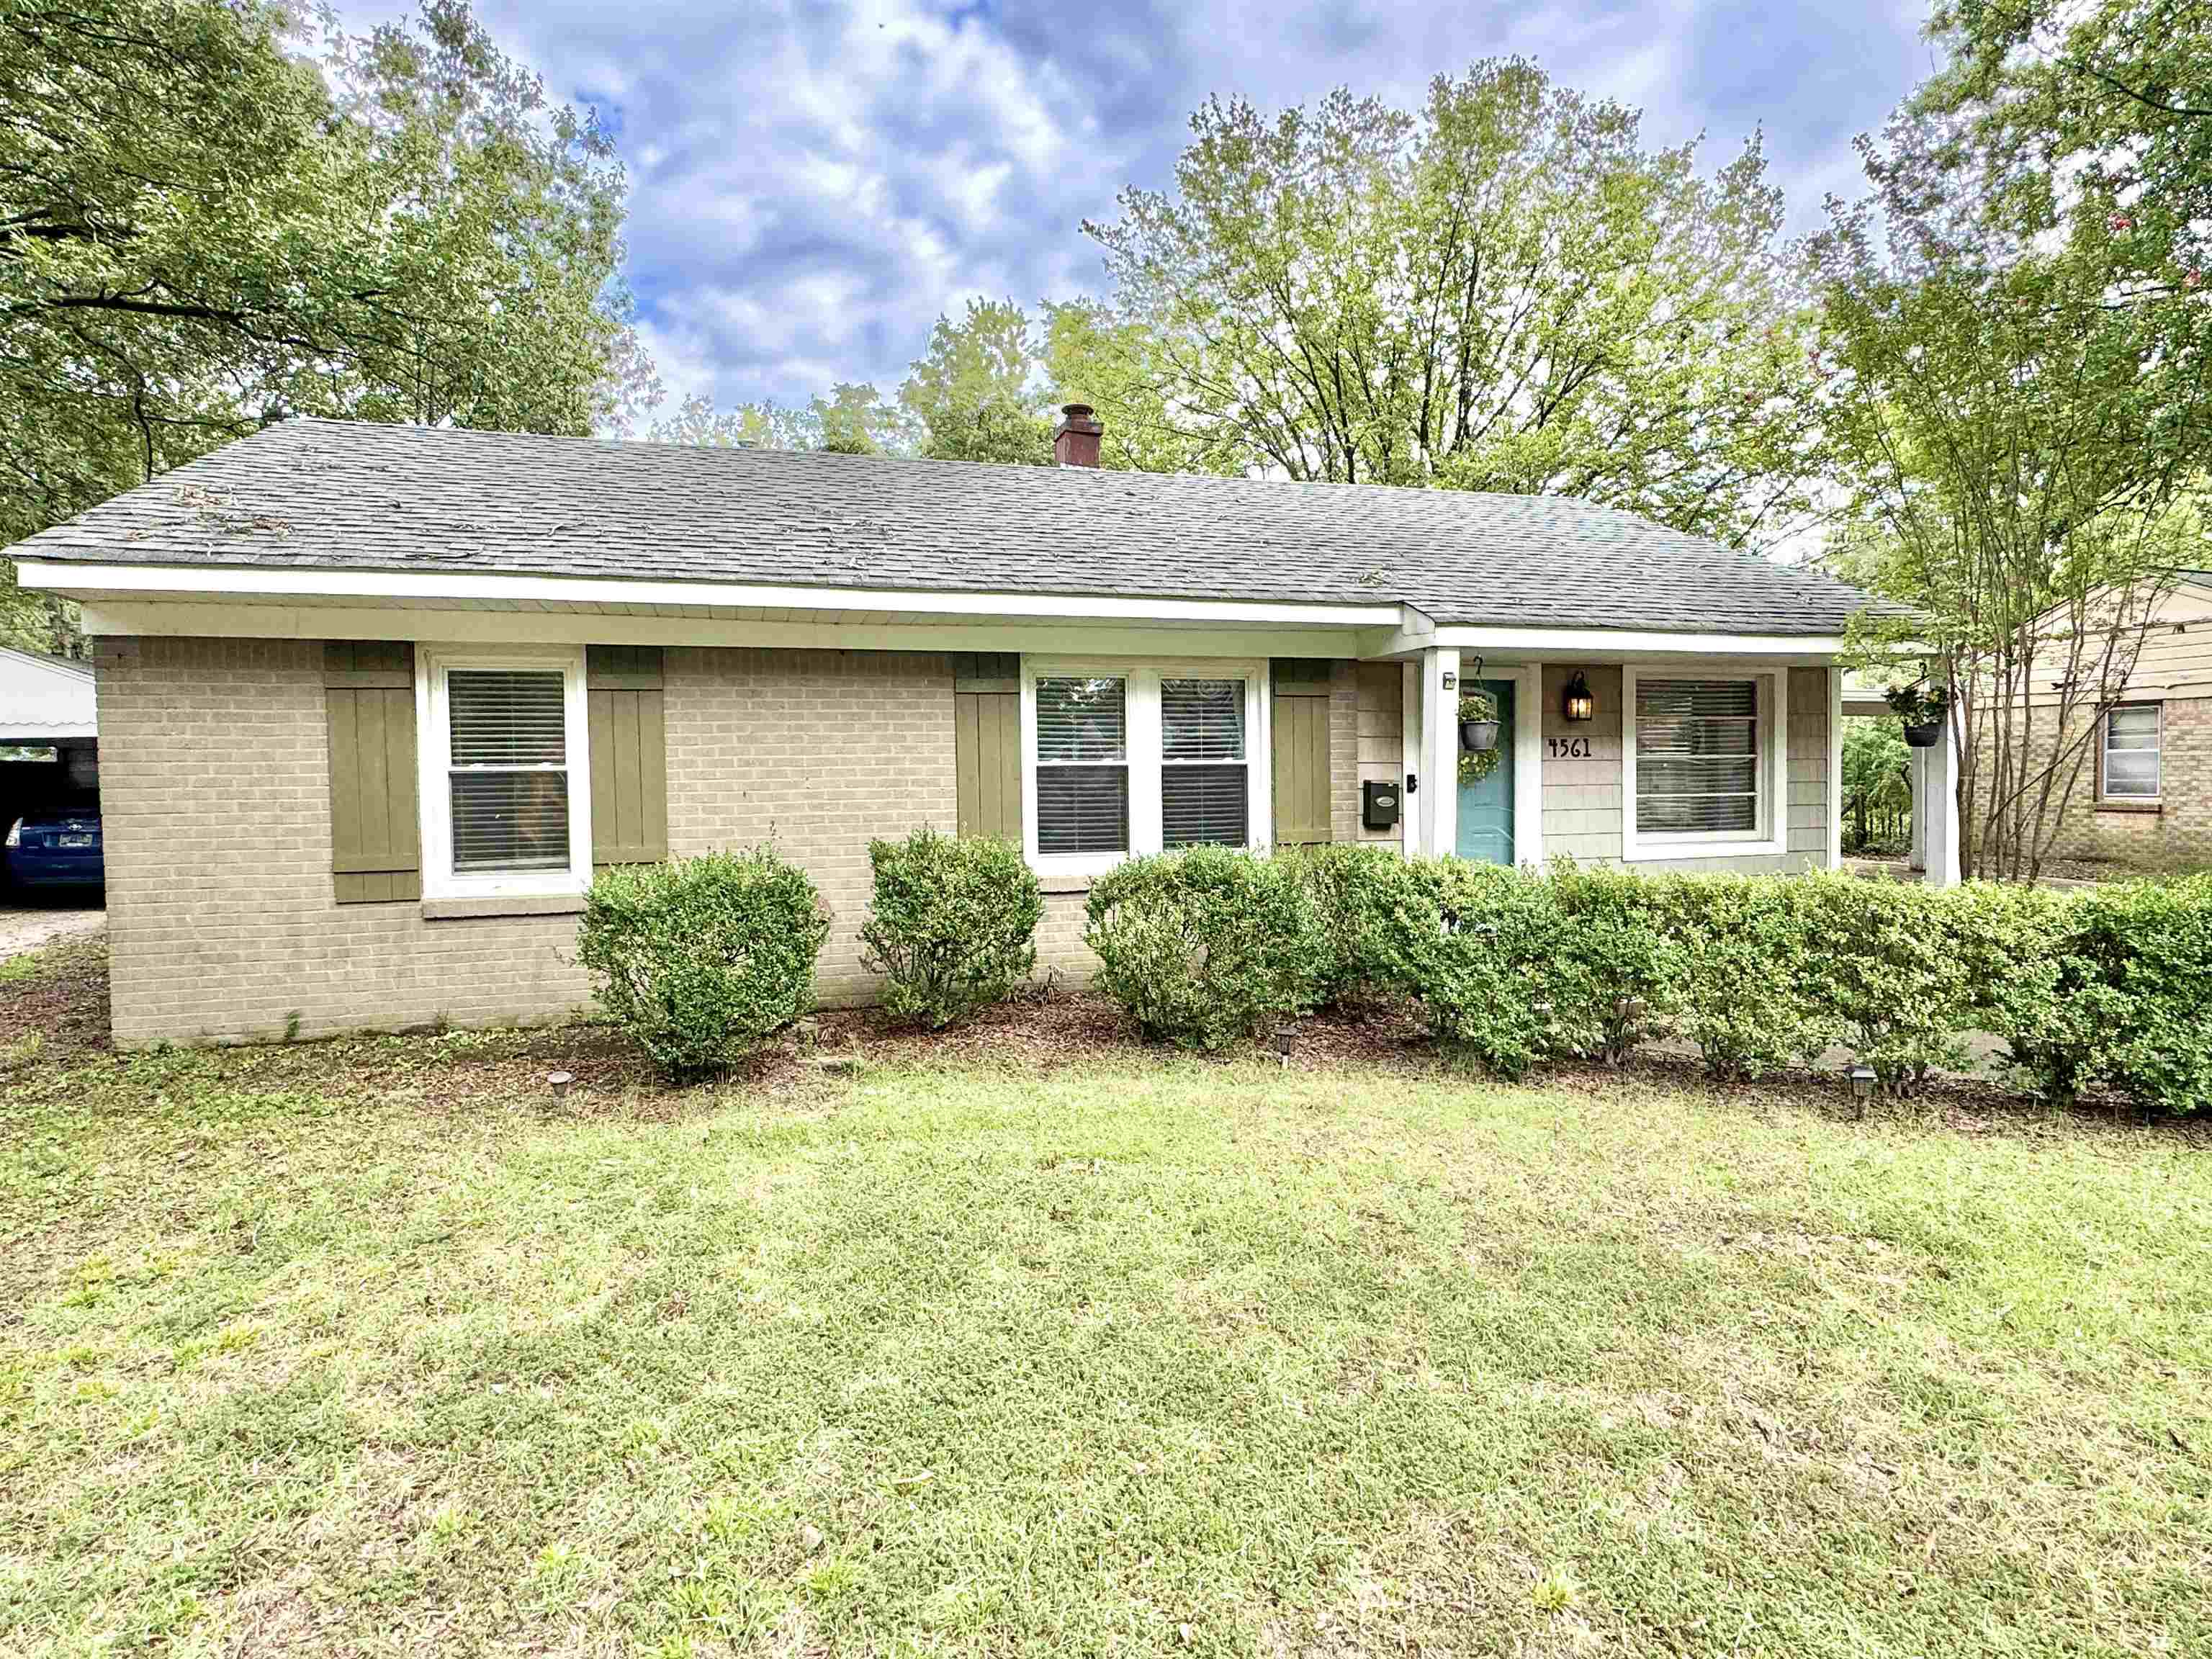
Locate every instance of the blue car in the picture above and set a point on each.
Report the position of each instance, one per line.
(56, 849)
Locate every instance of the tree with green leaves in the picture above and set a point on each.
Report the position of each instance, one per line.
(2019, 418)
(1508, 290)
(208, 221)
(976, 390)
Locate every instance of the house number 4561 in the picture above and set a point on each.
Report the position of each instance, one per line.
(1568, 748)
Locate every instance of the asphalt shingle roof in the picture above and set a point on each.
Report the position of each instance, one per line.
(354, 496)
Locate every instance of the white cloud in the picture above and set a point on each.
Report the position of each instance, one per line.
(814, 183)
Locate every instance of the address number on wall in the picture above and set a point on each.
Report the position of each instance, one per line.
(1569, 748)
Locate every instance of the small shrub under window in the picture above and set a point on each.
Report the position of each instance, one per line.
(1207, 945)
(703, 960)
(953, 926)
(1628, 965)
(1350, 884)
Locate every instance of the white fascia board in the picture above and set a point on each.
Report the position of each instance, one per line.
(207, 582)
(154, 618)
(1618, 644)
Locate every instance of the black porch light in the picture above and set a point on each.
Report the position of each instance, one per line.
(1578, 702)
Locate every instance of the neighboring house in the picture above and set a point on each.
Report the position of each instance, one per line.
(49, 740)
(2145, 797)
(375, 700)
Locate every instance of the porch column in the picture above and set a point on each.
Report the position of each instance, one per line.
(1936, 807)
(1916, 758)
(1438, 767)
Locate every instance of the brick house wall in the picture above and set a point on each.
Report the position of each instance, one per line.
(221, 919)
(2172, 834)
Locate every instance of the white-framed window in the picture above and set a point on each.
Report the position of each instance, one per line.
(1123, 756)
(2130, 760)
(1703, 767)
(505, 782)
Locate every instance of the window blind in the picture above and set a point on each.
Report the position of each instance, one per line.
(1697, 756)
(2131, 752)
(1083, 765)
(508, 775)
(1204, 790)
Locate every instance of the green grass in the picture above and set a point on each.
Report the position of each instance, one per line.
(372, 1348)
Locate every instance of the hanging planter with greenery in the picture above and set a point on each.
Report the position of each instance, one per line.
(1921, 708)
(1477, 737)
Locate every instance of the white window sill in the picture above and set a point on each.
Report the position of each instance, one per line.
(1655, 852)
(502, 904)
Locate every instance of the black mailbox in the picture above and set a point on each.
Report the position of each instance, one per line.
(1378, 805)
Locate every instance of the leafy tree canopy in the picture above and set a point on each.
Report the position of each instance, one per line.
(1507, 290)
(209, 221)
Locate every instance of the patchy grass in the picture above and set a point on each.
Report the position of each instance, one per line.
(1046, 1344)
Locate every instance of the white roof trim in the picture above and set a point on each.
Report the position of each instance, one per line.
(1593, 640)
(313, 585)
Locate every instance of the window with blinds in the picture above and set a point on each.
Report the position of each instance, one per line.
(1083, 765)
(1205, 791)
(2131, 752)
(508, 771)
(1697, 756)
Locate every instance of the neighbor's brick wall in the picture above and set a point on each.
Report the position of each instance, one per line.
(215, 773)
(2177, 834)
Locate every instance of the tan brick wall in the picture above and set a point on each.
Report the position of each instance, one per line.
(819, 750)
(222, 919)
(2178, 834)
(1344, 751)
(215, 777)
(1382, 739)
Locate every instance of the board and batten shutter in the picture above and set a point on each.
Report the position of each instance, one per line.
(376, 847)
(1301, 727)
(987, 720)
(628, 737)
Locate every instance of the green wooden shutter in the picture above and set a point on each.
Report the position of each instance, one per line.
(624, 688)
(1301, 759)
(368, 694)
(987, 713)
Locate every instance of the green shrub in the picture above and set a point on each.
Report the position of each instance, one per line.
(2032, 984)
(1628, 965)
(1479, 945)
(1349, 883)
(1207, 945)
(1885, 963)
(702, 961)
(2152, 945)
(1741, 994)
(953, 924)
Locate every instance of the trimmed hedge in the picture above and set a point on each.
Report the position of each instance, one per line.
(2103, 989)
(1207, 945)
(703, 960)
(952, 927)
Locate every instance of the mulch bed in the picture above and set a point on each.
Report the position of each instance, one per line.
(1050, 1031)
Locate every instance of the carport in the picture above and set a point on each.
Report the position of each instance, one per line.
(49, 738)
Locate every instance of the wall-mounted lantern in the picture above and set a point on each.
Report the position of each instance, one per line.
(1578, 702)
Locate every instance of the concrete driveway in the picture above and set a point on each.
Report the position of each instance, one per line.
(26, 927)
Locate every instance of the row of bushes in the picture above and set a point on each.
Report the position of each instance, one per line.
(704, 959)
(2107, 988)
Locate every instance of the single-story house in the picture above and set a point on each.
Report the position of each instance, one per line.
(374, 701)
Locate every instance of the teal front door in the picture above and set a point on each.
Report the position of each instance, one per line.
(1485, 807)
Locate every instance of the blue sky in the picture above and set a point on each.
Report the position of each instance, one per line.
(813, 183)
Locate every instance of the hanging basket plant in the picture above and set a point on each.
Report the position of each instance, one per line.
(1477, 737)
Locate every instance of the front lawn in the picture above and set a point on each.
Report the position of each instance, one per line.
(375, 1347)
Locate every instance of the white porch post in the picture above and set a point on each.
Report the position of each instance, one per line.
(1939, 771)
(1919, 761)
(1439, 758)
